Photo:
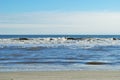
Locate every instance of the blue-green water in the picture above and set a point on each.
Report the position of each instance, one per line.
(56, 36)
(59, 52)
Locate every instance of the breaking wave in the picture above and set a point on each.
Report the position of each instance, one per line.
(38, 43)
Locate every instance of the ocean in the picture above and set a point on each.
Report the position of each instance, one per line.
(59, 52)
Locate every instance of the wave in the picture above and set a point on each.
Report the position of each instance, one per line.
(38, 43)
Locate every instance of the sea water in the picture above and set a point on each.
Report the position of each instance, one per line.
(59, 52)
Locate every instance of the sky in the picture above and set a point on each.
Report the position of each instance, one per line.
(60, 17)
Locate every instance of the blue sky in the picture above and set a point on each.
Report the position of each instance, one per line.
(19, 6)
(59, 16)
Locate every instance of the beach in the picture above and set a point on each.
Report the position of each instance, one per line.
(59, 58)
(59, 40)
(61, 75)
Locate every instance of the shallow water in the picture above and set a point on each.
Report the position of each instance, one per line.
(57, 52)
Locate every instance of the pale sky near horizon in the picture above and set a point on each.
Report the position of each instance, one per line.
(59, 16)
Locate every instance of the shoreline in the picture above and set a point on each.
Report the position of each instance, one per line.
(61, 75)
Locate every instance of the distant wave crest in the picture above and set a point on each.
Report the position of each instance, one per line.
(37, 43)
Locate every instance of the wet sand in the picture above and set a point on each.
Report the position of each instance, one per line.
(61, 75)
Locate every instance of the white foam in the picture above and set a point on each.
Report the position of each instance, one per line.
(50, 42)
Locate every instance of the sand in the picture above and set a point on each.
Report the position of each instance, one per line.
(61, 75)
